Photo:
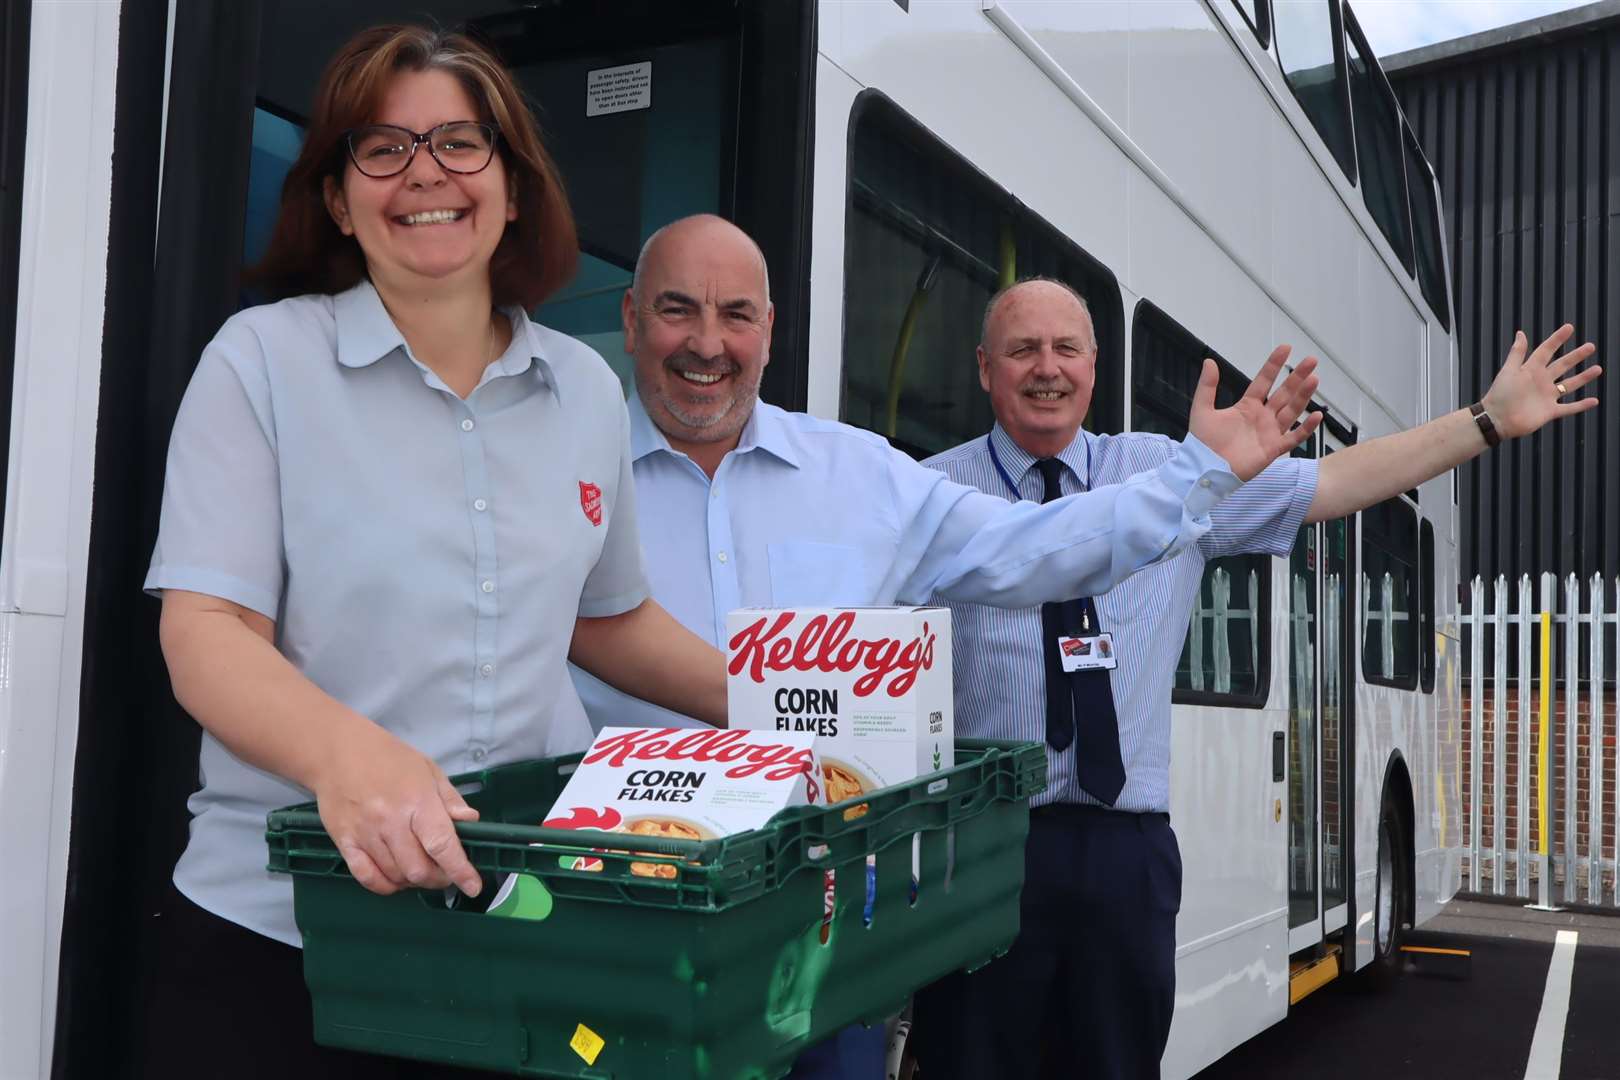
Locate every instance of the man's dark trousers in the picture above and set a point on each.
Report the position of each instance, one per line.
(1088, 988)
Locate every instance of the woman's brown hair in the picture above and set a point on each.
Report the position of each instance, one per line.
(307, 251)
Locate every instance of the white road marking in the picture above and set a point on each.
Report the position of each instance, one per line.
(1547, 1047)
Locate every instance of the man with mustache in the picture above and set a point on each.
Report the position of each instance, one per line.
(1092, 975)
(753, 505)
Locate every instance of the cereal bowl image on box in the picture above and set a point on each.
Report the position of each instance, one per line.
(666, 828)
(873, 685)
(685, 784)
(843, 781)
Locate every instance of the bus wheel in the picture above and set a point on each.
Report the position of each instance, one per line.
(1390, 901)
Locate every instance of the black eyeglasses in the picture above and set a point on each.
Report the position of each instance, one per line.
(461, 146)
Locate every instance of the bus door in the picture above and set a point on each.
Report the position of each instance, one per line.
(1319, 696)
(651, 110)
(1338, 667)
(1304, 606)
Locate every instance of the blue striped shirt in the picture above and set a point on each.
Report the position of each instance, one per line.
(1000, 672)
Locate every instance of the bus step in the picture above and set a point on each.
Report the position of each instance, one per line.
(1308, 975)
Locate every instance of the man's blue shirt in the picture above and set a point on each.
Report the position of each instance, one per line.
(807, 511)
(999, 669)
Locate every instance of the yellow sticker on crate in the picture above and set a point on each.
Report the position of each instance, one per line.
(586, 1043)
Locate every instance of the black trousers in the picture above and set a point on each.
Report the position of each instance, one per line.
(1088, 988)
(225, 1001)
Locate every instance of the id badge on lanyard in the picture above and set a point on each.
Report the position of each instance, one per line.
(1092, 649)
(1092, 652)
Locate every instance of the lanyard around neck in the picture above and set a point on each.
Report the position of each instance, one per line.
(995, 459)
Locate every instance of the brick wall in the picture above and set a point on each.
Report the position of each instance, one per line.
(1556, 810)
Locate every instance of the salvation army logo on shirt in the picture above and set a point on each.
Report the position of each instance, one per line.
(590, 501)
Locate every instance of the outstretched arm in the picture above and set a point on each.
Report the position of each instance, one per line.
(1526, 394)
(979, 548)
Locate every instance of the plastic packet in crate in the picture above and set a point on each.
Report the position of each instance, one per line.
(677, 783)
(873, 684)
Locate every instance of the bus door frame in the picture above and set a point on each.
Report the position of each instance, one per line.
(1333, 437)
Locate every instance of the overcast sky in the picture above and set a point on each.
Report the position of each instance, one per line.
(1394, 26)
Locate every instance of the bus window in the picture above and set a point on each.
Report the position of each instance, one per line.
(631, 172)
(1426, 228)
(1255, 14)
(1378, 144)
(1310, 49)
(276, 141)
(1389, 589)
(928, 240)
(1426, 600)
(1224, 659)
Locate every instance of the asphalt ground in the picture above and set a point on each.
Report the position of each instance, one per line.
(1431, 1025)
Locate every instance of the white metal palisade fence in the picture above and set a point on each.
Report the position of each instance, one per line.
(1537, 629)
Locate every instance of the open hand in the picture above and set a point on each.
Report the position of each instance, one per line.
(1527, 392)
(391, 811)
(1259, 428)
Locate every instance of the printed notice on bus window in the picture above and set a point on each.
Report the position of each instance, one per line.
(618, 89)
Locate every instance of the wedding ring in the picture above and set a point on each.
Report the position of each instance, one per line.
(1562, 389)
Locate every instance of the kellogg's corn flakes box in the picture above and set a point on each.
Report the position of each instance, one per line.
(872, 684)
(687, 784)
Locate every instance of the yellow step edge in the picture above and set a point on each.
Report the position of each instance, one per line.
(1310, 976)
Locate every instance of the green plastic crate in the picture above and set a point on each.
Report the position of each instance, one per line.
(717, 973)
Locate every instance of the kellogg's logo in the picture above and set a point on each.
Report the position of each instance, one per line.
(590, 501)
(825, 645)
(775, 761)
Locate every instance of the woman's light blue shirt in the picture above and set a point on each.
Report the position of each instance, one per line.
(424, 557)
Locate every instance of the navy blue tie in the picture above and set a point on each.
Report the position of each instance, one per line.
(1079, 704)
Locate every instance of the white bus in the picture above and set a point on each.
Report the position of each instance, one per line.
(1216, 176)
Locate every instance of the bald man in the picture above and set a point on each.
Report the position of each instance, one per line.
(745, 504)
(1092, 975)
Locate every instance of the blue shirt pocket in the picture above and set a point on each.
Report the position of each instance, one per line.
(805, 573)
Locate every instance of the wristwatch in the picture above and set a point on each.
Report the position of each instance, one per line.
(1487, 427)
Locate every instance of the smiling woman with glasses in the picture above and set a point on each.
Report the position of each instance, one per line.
(394, 509)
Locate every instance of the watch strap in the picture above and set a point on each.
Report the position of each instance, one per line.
(1487, 426)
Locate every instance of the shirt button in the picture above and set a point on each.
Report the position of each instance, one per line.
(480, 504)
(721, 556)
(1204, 482)
(714, 493)
(466, 425)
(488, 586)
(487, 670)
(478, 753)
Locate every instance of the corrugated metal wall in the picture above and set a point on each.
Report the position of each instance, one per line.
(1524, 143)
